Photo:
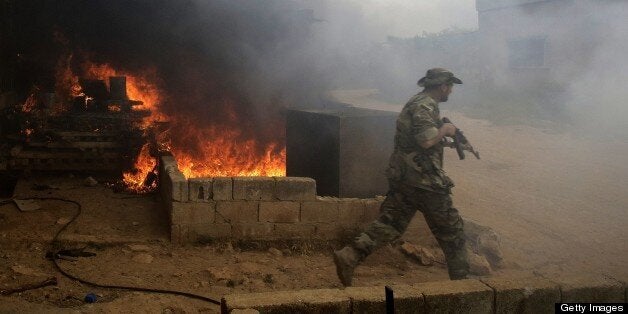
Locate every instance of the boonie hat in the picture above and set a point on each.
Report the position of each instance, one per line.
(438, 76)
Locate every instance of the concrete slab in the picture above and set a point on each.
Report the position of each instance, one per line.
(457, 296)
(523, 295)
(321, 301)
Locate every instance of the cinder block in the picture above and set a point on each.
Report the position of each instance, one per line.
(200, 190)
(408, 299)
(367, 300)
(279, 211)
(373, 299)
(295, 189)
(302, 301)
(208, 231)
(179, 186)
(585, 288)
(177, 236)
(350, 212)
(457, 296)
(258, 231)
(524, 295)
(319, 211)
(329, 231)
(192, 213)
(371, 209)
(253, 188)
(222, 188)
(293, 231)
(236, 211)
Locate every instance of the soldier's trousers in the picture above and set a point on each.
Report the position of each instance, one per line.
(397, 210)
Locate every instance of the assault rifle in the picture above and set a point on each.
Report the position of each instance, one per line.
(461, 143)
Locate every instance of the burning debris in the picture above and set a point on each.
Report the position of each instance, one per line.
(94, 123)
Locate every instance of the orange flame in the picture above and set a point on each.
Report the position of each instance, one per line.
(219, 150)
(144, 165)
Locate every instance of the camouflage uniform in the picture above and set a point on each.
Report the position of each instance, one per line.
(417, 182)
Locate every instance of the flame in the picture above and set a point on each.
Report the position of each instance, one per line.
(200, 150)
(223, 153)
(144, 166)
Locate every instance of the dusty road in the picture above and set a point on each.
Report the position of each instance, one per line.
(557, 199)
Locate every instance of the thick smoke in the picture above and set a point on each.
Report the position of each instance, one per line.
(217, 61)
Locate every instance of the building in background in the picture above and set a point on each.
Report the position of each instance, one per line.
(540, 47)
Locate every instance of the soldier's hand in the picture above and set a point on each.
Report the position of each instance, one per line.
(448, 129)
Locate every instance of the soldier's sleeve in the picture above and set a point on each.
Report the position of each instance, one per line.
(424, 127)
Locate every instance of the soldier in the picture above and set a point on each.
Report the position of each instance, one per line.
(416, 182)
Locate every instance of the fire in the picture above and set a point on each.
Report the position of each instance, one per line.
(138, 180)
(217, 150)
(222, 153)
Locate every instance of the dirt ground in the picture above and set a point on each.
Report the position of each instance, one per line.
(557, 199)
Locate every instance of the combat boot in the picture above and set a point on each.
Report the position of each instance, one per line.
(346, 260)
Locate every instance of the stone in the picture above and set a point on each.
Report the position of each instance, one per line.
(422, 255)
(484, 241)
(275, 252)
(478, 265)
(295, 189)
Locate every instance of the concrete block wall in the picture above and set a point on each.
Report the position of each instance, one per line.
(489, 295)
(258, 208)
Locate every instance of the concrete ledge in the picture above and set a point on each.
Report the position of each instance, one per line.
(524, 295)
(457, 296)
(200, 190)
(493, 295)
(295, 189)
(369, 300)
(222, 189)
(253, 188)
(581, 288)
(322, 301)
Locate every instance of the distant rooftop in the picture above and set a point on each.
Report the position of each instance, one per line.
(484, 5)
